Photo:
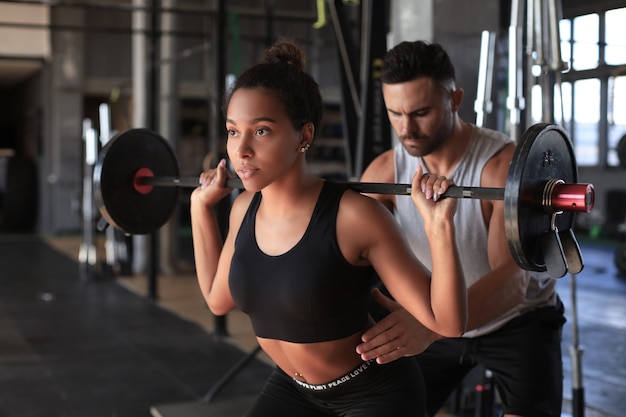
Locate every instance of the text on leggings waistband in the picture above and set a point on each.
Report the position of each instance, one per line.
(352, 374)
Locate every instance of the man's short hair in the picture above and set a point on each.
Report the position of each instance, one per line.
(410, 60)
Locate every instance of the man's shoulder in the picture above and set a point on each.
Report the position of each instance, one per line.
(488, 133)
(491, 143)
(381, 169)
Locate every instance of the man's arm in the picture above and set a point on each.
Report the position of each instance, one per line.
(396, 335)
(505, 286)
(399, 334)
(381, 170)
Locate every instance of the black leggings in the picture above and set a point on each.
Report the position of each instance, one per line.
(524, 357)
(394, 389)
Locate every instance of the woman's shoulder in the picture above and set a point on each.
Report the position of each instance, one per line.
(362, 207)
(240, 204)
(243, 198)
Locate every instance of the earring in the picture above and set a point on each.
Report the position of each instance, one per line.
(305, 148)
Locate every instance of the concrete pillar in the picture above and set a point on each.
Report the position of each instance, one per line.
(140, 105)
(62, 156)
(411, 20)
(458, 27)
(169, 126)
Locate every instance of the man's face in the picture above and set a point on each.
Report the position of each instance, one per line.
(421, 112)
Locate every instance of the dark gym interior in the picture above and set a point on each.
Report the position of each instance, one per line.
(101, 323)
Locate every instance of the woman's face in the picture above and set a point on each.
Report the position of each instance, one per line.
(262, 143)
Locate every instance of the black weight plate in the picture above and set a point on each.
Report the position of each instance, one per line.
(118, 201)
(544, 153)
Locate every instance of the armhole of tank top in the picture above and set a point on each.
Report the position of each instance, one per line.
(249, 218)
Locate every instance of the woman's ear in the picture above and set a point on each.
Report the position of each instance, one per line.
(307, 133)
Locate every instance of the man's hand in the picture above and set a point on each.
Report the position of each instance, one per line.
(397, 335)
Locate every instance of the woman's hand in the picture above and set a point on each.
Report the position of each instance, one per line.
(426, 191)
(211, 187)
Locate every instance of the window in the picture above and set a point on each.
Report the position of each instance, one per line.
(615, 50)
(565, 30)
(586, 121)
(592, 99)
(616, 116)
(585, 43)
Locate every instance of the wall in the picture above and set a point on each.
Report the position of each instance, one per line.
(96, 62)
(458, 28)
(24, 42)
(61, 161)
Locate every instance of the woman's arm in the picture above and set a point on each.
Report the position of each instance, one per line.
(439, 300)
(212, 258)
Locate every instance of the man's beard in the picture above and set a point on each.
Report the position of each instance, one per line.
(427, 144)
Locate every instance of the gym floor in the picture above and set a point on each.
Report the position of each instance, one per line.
(71, 347)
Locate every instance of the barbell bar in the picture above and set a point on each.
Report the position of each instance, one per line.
(557, 196)
(137, 177)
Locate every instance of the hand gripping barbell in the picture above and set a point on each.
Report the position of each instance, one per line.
(137, 175)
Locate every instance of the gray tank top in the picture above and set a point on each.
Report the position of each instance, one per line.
(471, 231)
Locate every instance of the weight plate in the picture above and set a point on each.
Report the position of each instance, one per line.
(121, 205)
(544, 153)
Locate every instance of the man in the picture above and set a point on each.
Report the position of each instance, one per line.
(515, 317)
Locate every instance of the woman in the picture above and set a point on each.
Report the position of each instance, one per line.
(300, 255)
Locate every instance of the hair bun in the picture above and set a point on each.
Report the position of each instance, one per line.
(286, 52)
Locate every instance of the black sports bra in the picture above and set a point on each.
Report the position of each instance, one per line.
(308, 294)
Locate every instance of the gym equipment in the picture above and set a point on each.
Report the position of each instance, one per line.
(535, 44)
(483, 104)
(88, 252)
(620, 252)
(620, 258)
(621, 151)
(137, 175)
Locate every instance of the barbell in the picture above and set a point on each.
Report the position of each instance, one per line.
(136, 180)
